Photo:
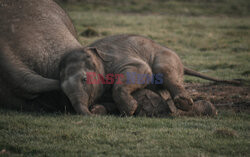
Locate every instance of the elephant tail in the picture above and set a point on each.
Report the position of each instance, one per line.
(191, 72)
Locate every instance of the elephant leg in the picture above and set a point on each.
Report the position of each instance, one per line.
(125, 102)
(171, 68)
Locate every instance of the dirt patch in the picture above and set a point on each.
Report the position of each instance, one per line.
(222, 96)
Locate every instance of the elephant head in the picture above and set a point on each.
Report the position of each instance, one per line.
(74, 68)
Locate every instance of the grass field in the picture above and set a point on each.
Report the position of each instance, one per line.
(71, 135)
(210, 36)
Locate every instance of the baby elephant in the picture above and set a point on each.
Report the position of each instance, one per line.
(113, 61)
(121, 65)
(151, 104)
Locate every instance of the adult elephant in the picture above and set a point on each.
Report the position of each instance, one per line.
(34, 35)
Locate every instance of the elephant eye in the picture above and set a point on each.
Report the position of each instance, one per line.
(84, 79)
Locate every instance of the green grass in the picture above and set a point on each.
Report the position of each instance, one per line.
(169, 7)
(210, 36)
(31, 134)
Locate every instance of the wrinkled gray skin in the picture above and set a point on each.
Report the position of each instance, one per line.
(34, 35)
(118, 55)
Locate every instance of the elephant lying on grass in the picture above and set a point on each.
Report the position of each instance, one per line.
(108, 65)
(151, 104)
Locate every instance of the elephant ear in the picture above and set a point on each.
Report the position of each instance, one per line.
(104, 57)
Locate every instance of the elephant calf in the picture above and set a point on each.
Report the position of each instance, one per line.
(108, 65)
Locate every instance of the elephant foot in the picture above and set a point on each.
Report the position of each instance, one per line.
(183, 102)
(204, 108)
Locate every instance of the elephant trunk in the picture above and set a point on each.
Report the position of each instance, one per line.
(80, 103)
(78, 97)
